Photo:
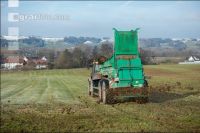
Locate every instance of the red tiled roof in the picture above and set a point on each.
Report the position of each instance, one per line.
(39, 61)
(14, 59)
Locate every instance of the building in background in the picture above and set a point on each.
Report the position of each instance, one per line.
(191, 60)
(18, 62)
(13, 62)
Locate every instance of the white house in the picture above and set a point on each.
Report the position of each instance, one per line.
(44, 58)
(191, 60)
(12, 62)
(25, 59)
(41, 63)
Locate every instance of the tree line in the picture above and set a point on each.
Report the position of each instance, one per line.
(78, 57)
(84, 55)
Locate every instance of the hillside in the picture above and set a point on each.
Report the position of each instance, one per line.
(71, 41)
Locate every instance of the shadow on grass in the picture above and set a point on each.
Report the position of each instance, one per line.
(159, 97)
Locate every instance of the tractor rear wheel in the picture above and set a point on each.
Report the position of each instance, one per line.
(100, 92)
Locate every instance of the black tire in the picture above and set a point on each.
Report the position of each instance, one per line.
(100, 89)
(104, 93)
(145, 99)
(107, 96)
(146, 83)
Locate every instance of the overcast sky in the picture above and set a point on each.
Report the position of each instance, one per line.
(166, 19)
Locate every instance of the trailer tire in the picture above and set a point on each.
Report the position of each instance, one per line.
(106, 93)
(146, 83)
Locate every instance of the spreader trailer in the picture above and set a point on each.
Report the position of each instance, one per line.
(122, 75)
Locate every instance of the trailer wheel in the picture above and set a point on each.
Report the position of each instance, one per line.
(146, 83)
(107, 96)
(104, 93)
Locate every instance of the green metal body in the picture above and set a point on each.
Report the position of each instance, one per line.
(125, 64)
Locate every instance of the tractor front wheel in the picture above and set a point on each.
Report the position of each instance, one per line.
(89, 91)
(90, 88)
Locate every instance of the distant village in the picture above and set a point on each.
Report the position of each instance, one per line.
(76, 52)
(19, 63)
(24, 63)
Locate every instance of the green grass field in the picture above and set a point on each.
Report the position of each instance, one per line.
(57, 100)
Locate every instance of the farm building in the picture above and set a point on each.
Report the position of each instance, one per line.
(191, 60)
(13, 62)
(37, 63)
(41, 63)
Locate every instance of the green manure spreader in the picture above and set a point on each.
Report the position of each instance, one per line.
(121, 76)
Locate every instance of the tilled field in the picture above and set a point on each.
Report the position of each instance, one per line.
(56, 100)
